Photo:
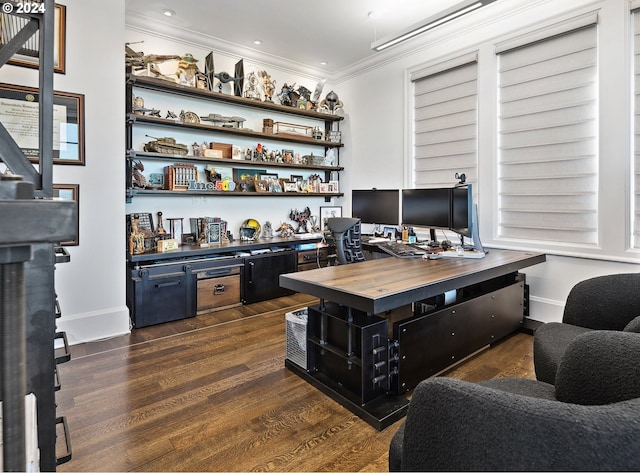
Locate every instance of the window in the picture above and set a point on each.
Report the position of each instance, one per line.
(445, 122)
(548, 136)
(635, 240)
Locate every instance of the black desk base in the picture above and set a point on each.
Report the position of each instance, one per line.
(380, 413)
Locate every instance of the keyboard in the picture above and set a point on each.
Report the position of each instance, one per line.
(402, 250)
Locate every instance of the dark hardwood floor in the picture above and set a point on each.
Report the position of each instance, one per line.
(212, 394)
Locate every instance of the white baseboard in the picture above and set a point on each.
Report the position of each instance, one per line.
(97, 325)
(545, 310)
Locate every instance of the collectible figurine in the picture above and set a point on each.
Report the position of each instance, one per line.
(330, 104)
(268, 85)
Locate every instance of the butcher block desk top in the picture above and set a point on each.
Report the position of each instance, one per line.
(378, 285)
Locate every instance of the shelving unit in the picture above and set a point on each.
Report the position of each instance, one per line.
(218, 99)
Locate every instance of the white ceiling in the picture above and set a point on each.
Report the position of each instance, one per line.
(306, 32)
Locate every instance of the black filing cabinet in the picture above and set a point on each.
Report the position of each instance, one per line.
(262, 275)
(161, 293)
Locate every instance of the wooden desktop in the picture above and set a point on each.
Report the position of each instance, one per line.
(383, 325)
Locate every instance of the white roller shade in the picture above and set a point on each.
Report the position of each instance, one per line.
(445, 125)
(548, 139)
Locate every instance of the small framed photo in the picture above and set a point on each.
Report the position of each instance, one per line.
(290, 186)
(334, 187)
(389, 232)
(69, 192)
(329, 212)
(324, 187)
(214, 232)
(268, 176)
(296, 178)
(261, 185)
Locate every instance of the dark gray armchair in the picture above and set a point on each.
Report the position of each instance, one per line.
(610, 302)
(590, 419)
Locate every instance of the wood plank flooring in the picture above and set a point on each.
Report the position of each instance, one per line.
(212, 394)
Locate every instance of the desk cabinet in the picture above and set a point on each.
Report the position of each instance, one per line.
(161, 293)
(261, 275)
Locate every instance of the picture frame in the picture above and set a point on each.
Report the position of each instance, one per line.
(268, 176)
(19, 114)
(324, 187)
(11, 23)
(289, 186)
(333, 187)
(214, 233)
(296, 178)
(245, 178)
(262, 186)
(69, 192)
(389, 232)
(329, 211)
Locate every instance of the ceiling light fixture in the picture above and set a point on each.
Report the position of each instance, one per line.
(257, 41)
(430, 23)
(168, 12)
(323, 63)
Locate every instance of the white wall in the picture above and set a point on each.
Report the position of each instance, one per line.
(91, 288)
(376, 132)
(379, 126)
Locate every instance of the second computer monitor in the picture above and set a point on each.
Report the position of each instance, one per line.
(376, 206)
(428, 208)
(462, 210)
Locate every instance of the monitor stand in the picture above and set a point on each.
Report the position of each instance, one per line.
(433, 241)
(475, 234)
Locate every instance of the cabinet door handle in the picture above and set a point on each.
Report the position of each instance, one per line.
(218, 289)
(167, 284)
(251, 265)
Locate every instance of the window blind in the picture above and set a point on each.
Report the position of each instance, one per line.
(548, 139)
(445, 125)
(635, 241)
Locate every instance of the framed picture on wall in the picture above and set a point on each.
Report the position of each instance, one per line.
(329, 212)
(69, 192)
(28, 55)
(19, 113)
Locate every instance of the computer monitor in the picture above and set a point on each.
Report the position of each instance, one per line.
(462, 210)
(376, 206)
(429, 208)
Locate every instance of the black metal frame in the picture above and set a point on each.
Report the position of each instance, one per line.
(28, 332)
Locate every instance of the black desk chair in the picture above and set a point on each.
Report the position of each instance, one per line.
(346, 233)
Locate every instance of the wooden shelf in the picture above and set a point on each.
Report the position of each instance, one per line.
(134, 192)
(241, 163)
(132, 118)
(152, 83)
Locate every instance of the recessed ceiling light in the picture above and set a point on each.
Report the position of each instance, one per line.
(257, 41)
(373, 14)
(323, 63)
(168, 12)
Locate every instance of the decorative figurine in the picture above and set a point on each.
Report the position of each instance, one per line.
(224, 121)
(268, 85)
(136, 238)
(286, 230)
(166, 145)
(160, 230)
(302, 218)
(187, 70)
(288, 96)
(138, 179)
(267, 230)
(251, 91)
(330, 104)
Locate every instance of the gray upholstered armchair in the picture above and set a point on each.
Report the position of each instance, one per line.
(590, 419)
(610, 302)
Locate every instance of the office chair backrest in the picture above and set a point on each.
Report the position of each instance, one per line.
(346, 233)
